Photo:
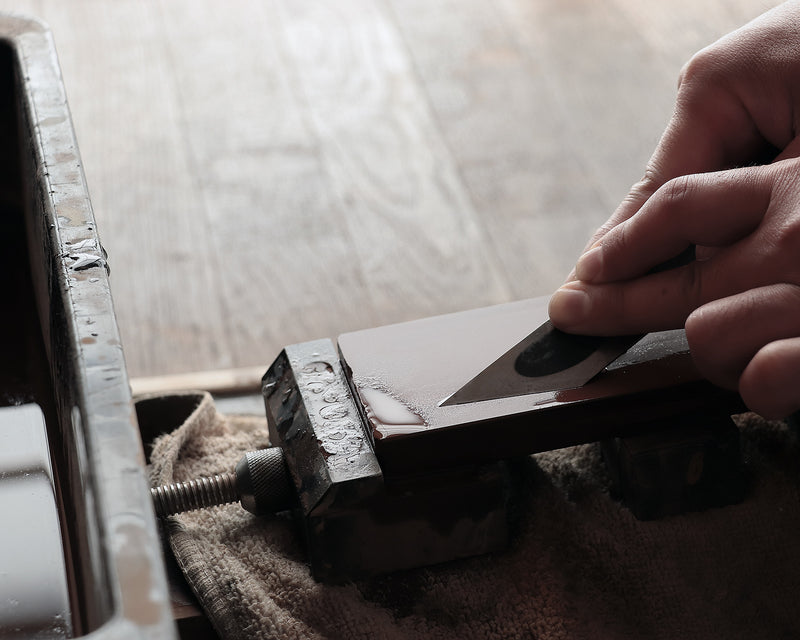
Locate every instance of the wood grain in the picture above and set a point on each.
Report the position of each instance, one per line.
(271, 172)
(414, 230)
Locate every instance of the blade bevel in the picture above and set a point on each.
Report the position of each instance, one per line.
(545, 361)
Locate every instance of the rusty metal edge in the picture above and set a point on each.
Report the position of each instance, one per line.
(102, 411)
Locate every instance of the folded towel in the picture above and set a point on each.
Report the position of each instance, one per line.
(579, 566)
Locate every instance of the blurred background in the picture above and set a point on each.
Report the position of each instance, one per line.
(265, 172)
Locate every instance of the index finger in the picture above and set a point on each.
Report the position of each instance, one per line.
(710, 130)
(712, 210)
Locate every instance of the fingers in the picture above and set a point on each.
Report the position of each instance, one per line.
(792, 150)
(746, 223)
(692, 144)
(736, 107)
(652, 303)
(767, 385)
(716, 124)
(750, 341)
(664, 300)
(711, 210)
(726, 334)
(685, 148)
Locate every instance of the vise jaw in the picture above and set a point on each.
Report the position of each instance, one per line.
(389, 477)
(355, 521)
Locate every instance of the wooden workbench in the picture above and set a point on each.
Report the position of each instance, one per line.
(265, 173)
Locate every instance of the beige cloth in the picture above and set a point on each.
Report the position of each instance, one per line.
(580, 565)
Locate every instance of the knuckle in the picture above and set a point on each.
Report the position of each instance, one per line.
(698, 331)
(788, 295)
(638, 195)
(781, 176)
(677, 191)
(718, 355)
(617, 245)
(763, 375)
(701, 333)
(784, 242)
(649, 182)
(777, 240)
(702, 68)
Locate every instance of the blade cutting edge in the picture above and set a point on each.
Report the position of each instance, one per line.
(545, 361)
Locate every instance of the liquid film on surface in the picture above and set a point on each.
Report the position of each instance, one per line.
(388, 415)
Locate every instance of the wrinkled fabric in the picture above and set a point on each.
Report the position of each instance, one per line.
(579, 565)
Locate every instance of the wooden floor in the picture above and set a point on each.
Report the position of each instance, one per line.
(271, 171)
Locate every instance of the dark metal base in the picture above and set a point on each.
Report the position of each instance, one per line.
(357, 523)
(365, 510)
(678, 468)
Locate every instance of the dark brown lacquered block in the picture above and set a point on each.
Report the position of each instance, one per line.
(403, 372)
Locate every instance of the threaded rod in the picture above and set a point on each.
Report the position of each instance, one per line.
(194, 494)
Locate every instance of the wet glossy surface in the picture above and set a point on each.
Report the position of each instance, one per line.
(34, 575)
(60, 349)
(34, 593)
(419, 364)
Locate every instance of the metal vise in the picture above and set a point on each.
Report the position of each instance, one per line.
(356, 521)
(388, 478)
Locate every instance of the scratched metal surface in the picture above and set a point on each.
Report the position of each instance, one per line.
(116, 570)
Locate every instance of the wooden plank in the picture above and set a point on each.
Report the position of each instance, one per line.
(416, 235)
(30, 8)
(267, 173)
(288, 269)
(604, 79)
(143, 187)
(612, 81)
(494, 101)
(240, 381)
(678, 29)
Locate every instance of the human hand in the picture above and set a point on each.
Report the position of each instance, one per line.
(740, 300)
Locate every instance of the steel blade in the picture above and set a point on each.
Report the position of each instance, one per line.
(547, 360)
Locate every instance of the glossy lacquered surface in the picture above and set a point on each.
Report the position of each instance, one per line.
(403, 372)
(34, 589)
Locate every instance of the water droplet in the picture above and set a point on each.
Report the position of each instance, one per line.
(83, 245)
(388, 415)
(333, 395)
(317, 367)
(85, 261)
(333, 411)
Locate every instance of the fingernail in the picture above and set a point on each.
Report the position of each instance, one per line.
(569, 306)
(590, 265)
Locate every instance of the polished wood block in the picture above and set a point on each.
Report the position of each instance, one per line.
(403, 372)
